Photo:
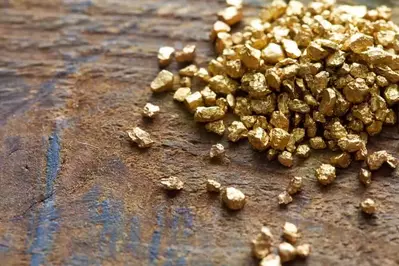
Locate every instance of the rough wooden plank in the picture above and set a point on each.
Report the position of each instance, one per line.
(74, 76)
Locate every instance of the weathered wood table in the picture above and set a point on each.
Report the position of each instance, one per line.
(74, 75)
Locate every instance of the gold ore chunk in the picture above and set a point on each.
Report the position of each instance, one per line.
(140, 137)
(233, 198)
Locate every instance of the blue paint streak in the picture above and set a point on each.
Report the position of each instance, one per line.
(47, 223)
(111, 218)
(156, 238)
(135, 237)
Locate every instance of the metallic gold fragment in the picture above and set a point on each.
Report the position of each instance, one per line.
(140, 137)
(351, 143)
(219, 26)
(208, 114)
(150, 110)
(188, 71)
(279, 138)
(223, 85)
(290, 232)
(165, 54)
(172, 183)
(359, 42)
(242, 106)
(248, 120)
(298, 134)
(368, 206)
(391, 94)
(181, 94)
(279, 120)
(303, 151)
(295, 185)
(259, 139)
(255, 85)
(286, 251)
(356, 91)
(203, 74)
(284, 198)
(365, 177)
(342, 160)
(251, 57)
(193, 101)
(327, 104)
(230, 15)
(233, 198)
(271, 260)
(217, 127)
(234, 68)
(163, 81)
(298, 106)
(208, 96)
(223, 41)
(285, 158)
(213, 186)
(303, 250)
(222, 103)
(291, 48)
(262, 244)
(186, 55)
(376, 159)
(317, 143)
(185, 82)
(273, 53)
(325, 174)
(217, 151)
(237, 131)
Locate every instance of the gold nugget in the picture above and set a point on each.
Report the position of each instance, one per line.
(172, 183)
(150, 110)
(140, 137)
(368, 206)
(213, 186)
(165, 55)
(262, 244)
(163, 81)
(325, 174)
(233, 198)
(217, 151)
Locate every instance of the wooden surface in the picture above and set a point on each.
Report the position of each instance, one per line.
(74, 76)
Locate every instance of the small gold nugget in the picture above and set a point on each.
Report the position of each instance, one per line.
(187, 55)
(286, 251)
(172, 183)
(290, 232)
(303, 251)
(262, 244)
(140, 137)
(217, 151)
(233, 198)
(368, 206)
(213, 186)
(150, 110)
(165, 54)
(163, 81)
(325, 174)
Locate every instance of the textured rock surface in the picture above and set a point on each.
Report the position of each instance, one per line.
(74, 76)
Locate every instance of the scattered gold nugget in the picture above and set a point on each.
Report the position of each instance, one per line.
(286, 159)
(140, 137)
(368, 206)
(303, 251)
(165, 54)
(163, 81)
(262, 244)
(271, 260)
(284, 198)
(233, 198)
(208, 114)
(217, 127)
(217, 151)
(230, 15)
(181, 94)
(365, 177)
(172, 183)
(193, 101)
(213, 186)
(150, 110)
(325, 174)
(295, 185)
(187, 55)
(290, 232)
(237, 131)
(286, 251)
(376, 159)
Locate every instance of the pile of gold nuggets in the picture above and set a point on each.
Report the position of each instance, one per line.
(297, 78)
